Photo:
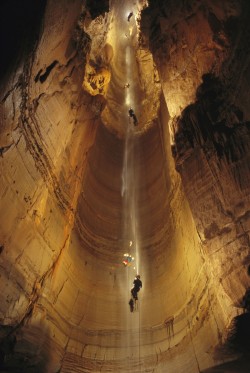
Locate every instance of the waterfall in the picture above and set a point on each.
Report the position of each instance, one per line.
(129, 194)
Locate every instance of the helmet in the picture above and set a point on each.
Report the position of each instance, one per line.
(138, 276)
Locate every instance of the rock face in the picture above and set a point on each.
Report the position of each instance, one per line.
(81, 185)
(211, 133)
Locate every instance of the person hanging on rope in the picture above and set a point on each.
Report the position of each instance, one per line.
(137, 285)
(132, 115)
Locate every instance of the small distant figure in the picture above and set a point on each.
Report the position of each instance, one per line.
(131, 112)
(137, 285)
(132, 115)
(130, 15)
(126, 85)
(128, 260)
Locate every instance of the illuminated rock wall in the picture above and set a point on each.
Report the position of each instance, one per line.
(203, 60)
